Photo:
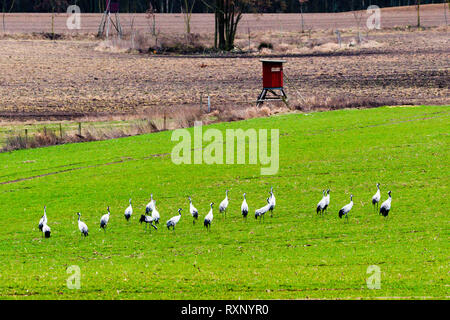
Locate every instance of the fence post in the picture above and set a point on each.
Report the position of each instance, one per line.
(338, 35)
(201, 101)
(26, 138)
(249, 45)
(165, 127)
(209, 104)
(60, 131)
(79, 128)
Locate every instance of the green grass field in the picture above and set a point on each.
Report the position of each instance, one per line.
(294, 255)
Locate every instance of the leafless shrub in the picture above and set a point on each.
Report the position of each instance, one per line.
(145, 126)
(15, 142)
(187, 117)
(342, 102)
(43, 137)
(47, 137)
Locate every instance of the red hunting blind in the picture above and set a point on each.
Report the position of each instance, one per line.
(272, 81)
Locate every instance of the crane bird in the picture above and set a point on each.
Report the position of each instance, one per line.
(224, 204)
(155, 213)
(128, 211)
(193, 210)
(82, 226)
(244, 207)
(105, 219)
(386, 206)
(209, 217)
(376, 198)
(346, 209)
(150, 206)
(46, 230)
(148, 220)
(43, 219)
(327, 200)
(174, 220)
(321, 205)
(271, 201)
(261, 211)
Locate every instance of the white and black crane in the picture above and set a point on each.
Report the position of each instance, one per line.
(172, 222)
(150, 206)
(261, 211)
(224, 204)
(209, 217)
(346, 209)
(128, 211)
(321, 205)
(244, 207)
(271, 201)
(376, 198)
(105, 219)
(148, 220)
(46, 231)
(193, 210)
(386, 206)
(327, 200)
(82, 226)
(155, 213)
(43, 219)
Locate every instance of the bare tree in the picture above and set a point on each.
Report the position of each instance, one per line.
(358, 15)
(53, 6)
(151, 17)
(418, 13)
(4, 10)
(186, 9)
(228, 14)
(302, 2)
(445, 11)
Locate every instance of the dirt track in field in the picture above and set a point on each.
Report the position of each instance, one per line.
(68, 79)
(431, 15)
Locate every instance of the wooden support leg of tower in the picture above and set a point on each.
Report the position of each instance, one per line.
(101, 27)
(261, 98)
(284, 97)
(280, 97)
(118, 25)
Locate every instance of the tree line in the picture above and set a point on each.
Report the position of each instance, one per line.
(205, 6)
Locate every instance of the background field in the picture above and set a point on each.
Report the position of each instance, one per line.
(295, 254)
(43, 79)
(431, 15)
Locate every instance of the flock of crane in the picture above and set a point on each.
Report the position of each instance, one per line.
(152, 217)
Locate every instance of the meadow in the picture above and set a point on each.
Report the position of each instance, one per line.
(296, 254)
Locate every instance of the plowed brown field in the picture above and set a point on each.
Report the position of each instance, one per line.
(71, 78)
